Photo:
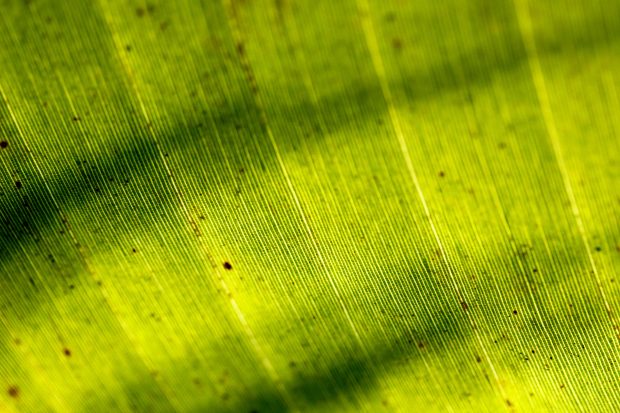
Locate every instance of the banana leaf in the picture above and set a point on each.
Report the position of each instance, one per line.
(314, 206)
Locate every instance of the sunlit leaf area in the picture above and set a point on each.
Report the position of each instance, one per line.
(309, 206)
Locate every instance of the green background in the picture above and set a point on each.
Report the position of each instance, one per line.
(418, 202)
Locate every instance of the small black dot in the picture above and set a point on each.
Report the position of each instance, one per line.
(13, 391)
(18, 184)
(3, 144)
(227, 266)
(514, 312)
(598, 249)
(66, 352)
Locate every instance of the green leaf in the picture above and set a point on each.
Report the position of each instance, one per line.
(354, 205)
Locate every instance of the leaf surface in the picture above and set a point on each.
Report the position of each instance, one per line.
(360, 205)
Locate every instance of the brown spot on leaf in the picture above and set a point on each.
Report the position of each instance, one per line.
(478, 359)
(13, 391)
(227, 266)
(241, 49)
(3, 144)
(464, 305)
(442, 174)
(514, 312)
(66, 352)
(18, 184)
(397, 44)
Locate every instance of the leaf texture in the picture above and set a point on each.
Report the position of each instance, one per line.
(290, 205)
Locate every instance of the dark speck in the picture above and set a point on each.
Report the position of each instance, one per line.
(71, 286)
(133, 250)
(140, 12)
(292, 364)
(128, 48)
(75, 118)
(66, 352)
(227, 266)
(514, 312)
(3, 144)
(598, 249)
(397, 44)
(18, 184)
(442, 174)
(240, 49)
(478, 359)
(464, 305)
(508, 403)
(13, 391)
